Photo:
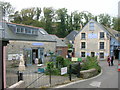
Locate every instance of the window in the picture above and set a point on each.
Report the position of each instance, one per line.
(18, 30)
(82, 44)
(82, 54)
(22, 30)
(92, 54)
(101, 45)
(82, 35)
(42, 32)
(91, 26)
(101, 35)
(101, 55)
(59, 52)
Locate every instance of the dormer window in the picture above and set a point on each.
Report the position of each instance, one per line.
(19, 29)
(91, 26)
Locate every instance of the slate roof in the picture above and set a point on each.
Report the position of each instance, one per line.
(10, 35)
(60, 43)
(72, 35)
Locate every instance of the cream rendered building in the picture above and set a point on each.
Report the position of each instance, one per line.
(93, 40)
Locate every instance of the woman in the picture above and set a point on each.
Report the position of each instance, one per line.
(108, 60)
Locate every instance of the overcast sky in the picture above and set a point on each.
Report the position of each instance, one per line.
(96, 7)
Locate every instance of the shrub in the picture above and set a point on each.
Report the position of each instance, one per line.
(59, 61)
(91, 62)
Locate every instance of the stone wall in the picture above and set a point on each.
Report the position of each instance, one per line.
(17, 47)
(88, 73)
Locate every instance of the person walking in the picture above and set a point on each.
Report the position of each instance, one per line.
(112, 58)
(108, 60)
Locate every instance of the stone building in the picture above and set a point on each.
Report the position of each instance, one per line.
(61, 47)
(32, 42)
(97, 40)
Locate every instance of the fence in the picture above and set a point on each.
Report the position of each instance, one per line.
(33, 79)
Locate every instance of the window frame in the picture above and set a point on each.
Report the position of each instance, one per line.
(83, 54)
(83, 35)
(102, 56)
(102, 45)
(83, 45)
(102, 35)
(91, 26)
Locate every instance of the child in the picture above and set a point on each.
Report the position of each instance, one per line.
(108, 60)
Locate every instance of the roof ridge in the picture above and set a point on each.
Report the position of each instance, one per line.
(25, 25)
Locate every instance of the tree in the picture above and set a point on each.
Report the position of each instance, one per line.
(48, 15)
(76, 19)
(105, 19)
(29, 16)
(7, 9)
(61, 19)
(116, 23)
(86, 17)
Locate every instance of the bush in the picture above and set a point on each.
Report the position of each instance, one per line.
(50, 65)
(54, 71)
(66, 63)
(59, 61)
(91, 62)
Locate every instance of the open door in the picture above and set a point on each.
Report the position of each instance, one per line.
(41, 55)
(28, 56)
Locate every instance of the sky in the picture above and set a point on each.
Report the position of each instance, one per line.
(96, 7)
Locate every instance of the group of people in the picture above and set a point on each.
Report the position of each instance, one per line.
(110, 60)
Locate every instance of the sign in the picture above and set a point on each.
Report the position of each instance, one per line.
(63, 70)
(14, 56)
(37, 44)
(74, 59)
(92, 35)
(79, 59)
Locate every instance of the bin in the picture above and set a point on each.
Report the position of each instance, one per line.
(40, 68)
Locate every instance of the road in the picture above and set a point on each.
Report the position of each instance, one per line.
(108, 78)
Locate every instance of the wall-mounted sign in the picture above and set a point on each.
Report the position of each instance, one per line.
(37, 44)
(63, 70)
(92, 35)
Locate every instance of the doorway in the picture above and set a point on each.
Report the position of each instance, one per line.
(34, 55)
(92, 54)
(116, 54)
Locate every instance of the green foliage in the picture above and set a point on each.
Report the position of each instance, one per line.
(59, 61)
(67, 62)
(54, 71)
(91, 62)
(50, 65)
(105, 20)
(57, 21)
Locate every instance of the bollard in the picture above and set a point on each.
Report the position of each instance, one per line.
(70, 71)
(78, 73)
(20, 76)
(50, 77)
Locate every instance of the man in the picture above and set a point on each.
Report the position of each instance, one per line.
(112, 58)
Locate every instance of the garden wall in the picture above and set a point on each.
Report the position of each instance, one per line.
(88, 73)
